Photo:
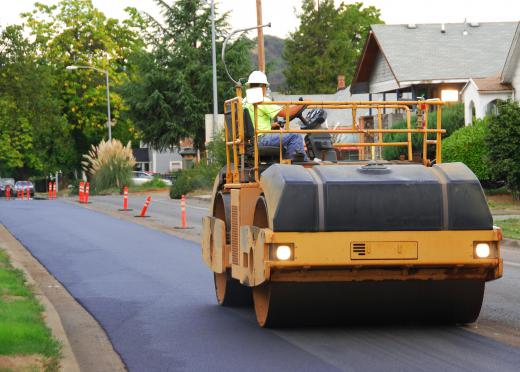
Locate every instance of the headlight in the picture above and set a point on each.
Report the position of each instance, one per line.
(283, 252)
(482, 250)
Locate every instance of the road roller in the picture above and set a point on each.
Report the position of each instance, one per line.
(318, 240)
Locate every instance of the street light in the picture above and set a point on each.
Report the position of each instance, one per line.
(214, 63)
(73, 67)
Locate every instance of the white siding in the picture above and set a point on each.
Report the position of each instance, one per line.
(480, 100)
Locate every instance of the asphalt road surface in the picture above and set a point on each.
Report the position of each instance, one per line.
(162, 209)
(154, 297)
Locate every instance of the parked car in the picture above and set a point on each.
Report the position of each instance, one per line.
(4, 182)
(24, 186)
(139, 178)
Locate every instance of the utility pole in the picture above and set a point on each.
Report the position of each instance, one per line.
(261, 55)
(214, 61)
(109, 125)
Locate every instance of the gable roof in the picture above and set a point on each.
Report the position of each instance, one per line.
(424, 54)
(489, 85)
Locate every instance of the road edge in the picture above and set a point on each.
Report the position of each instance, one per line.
(57, 302)
(51, 317)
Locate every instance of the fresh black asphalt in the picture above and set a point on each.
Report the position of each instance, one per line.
(154, 297)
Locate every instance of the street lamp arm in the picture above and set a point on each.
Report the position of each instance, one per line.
(73, 67)
(226, 41)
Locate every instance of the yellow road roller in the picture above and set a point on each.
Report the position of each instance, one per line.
(313, 239)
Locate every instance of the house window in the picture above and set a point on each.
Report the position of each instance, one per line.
(142, 166)
(491, 108)
(175, 165)
(450, 95)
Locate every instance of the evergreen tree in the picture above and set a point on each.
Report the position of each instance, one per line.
(171, 88)
(327, 43)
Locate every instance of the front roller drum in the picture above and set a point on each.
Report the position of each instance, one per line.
(230, 292)
(279, 304)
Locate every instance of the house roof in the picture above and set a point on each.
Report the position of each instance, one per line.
(513, 58)
(424, 54)
(491, 84)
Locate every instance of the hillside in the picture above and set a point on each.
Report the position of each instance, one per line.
(274, 62)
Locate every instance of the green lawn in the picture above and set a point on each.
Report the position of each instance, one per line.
(510, 228)
(22, 329)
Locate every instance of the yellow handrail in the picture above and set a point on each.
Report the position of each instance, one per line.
(236, 145)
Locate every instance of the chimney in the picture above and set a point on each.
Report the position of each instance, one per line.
(341, 82)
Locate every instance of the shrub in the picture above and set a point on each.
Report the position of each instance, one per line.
(155, 183)
(468, 146)
(201, 176)
(502, 142)
(217, 150)
(452, 119)
(109, 164)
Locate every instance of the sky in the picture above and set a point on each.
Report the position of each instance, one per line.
(283, 13)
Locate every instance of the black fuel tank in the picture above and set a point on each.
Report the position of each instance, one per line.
(374, 198)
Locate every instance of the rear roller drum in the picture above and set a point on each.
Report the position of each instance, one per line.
(230, 292)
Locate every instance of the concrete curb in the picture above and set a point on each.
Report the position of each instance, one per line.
(51, 316)
(201, 197)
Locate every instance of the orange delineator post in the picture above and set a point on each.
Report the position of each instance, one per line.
(125, 198)
(50, 191)
(54, 191)
(145, 207)
(80, 192)
(23, 193)
(8, 192)
(183, 212)
(87, 192)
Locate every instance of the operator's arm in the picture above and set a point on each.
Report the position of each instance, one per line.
(274, 111)
(292, 111)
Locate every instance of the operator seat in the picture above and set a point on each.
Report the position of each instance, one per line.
(267, 154)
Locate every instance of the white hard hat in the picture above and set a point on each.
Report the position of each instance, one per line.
(257, 77)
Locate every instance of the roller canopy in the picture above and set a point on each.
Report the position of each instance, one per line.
(374, 198)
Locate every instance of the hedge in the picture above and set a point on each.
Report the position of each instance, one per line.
(452, 119)
(468, 145)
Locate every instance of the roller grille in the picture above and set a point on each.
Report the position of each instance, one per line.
(359, 249)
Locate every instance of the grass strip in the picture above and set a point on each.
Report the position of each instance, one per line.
(22, 328)
(510, 228)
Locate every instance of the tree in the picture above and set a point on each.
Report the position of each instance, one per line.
(74, 32)
(327, 43)
(171, 87)
(34, 135)
(502, 142)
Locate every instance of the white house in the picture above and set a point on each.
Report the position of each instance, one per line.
(481, 94)
(151, 160)
(480, 97)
